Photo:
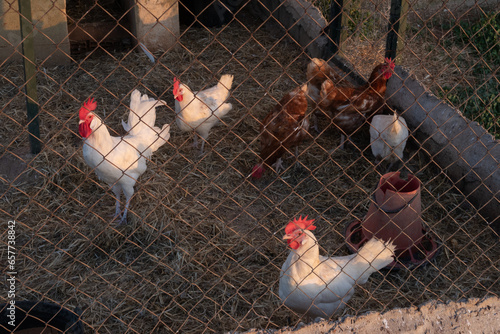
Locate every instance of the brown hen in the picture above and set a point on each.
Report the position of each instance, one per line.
(317, 72)
(283, 128)
(351, 107)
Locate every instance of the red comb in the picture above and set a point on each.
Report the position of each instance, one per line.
(176, 84)
(390, 62)
(88, 106)
(302, 223)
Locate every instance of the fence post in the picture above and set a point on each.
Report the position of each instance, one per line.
(335, 26)
(397, 27)
(30, 75)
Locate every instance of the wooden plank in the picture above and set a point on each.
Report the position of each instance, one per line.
(30, 75)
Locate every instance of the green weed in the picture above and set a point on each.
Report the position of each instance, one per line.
(482, 103)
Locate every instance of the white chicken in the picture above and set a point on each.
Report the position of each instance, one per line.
(119, 161)
(200, 111)
(319, 286)
(388, 136)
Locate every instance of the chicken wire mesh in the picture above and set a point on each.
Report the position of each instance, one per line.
(202, 249)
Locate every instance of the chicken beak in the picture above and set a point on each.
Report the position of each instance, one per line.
(288, 237)
(178, 97)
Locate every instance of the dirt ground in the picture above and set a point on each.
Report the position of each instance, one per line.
(469, 316)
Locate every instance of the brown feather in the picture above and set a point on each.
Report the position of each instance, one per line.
(284, 127)
(318, 71)
(351, 107)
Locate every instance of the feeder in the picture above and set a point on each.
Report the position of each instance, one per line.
(394, 214)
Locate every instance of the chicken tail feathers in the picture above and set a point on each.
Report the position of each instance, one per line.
(126, 127)
(142, 115)
(396, 125)
(373, 256)
(319, 69)
(225, 84)
(316, 67)
(163, 135)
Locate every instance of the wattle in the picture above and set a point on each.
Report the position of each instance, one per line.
(84, 129)
(293, 244)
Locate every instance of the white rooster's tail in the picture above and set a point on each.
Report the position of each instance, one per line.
(224, 85)
(373, 256)
(142, 115)
(161, 138)
(395, 127)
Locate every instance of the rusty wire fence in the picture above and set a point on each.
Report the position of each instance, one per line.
(202, 249)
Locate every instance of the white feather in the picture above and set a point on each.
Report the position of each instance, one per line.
(388, 136)
(200, 111)
(147, 52)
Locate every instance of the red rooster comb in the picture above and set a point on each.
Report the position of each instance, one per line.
(390, 62)
(88, 106)
(388, 68)
(302, 223)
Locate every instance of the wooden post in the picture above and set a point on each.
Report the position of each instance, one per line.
(30, 75)
(403, 18)
(397, 27)
(335, 26)
(344, 24)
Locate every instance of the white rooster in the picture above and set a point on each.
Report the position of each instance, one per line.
(200, 111)
(119, 161)
(319, 286)
(388, 136)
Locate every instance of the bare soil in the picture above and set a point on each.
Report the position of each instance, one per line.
(468, 316)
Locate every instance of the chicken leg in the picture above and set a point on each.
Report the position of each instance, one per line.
(117, 190)
(195, 140)
(129, 192)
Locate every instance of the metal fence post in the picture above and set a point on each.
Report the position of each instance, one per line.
(397, 27)
(335, 27)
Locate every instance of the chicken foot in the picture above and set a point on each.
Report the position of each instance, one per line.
(278, 165)
(123, 220)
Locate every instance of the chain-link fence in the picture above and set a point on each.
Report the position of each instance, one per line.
(202, 247)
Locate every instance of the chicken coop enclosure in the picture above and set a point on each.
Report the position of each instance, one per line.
(203, 246)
